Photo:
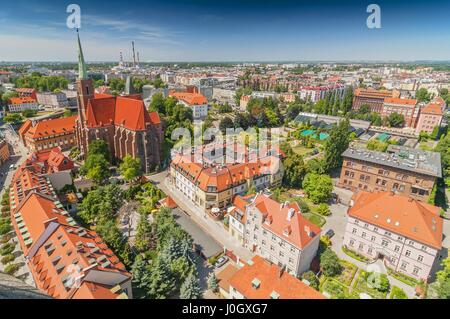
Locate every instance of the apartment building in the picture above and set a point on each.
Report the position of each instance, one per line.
(317, 93)
(195, 101)
(275, 231)
(66, 261)
(20, 104)
(210, 185)
(48, 134)
(406, 107)
(261, 279)
(27, 92)
(402, 170)
(430, 116)
(53, 100)
(405, 233)
(372, 98)
(4, 151)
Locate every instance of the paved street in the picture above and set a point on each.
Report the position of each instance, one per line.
(213, 228)
(18, 155)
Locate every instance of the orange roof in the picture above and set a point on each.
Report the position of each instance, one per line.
(372, 93)
(432, 108)
(25, 127)
(22, 100)
(394, 100)
(52, 127)
(298, 230)
(225, 275)
(271, 282)
(169, 202)
(190, 98)
(123, 110)
(401, 215)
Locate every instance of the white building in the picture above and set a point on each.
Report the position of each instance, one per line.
(20, 104)
(403, 232)
(274, 231)
(53, 100)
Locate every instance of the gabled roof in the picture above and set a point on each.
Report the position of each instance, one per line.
(52, 127)
(297, 230)
(100, 111)
(393, 100)
(432, 108)
(22, 100)
(132, 114)
(401, 215)
(190, 98)
(271, 282)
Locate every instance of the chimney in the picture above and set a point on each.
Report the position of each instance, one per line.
(280, 272)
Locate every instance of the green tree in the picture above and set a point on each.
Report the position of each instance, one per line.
(99, 147)
(96, 167)
(213, 283)
(161, 282)
(395, 120)
(323, 209)
(318, 187)
(225, 123)
(130, 168)
(329, 263)
(294, 170)
(143, 233)
(336, 144)
(422, 95)
(191, 288)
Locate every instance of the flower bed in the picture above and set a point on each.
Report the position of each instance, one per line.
(354, 255)
(403, 278)
(348, 273)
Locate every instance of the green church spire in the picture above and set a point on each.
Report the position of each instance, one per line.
(82, 71)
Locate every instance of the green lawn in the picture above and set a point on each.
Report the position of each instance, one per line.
(315, 219)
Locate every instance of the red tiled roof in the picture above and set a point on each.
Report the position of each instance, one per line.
(271, 282)
(190, 98)
(52, 127)
(401, 215)
(22, 100)
(394, 100)
(432, 108)
(298, 230)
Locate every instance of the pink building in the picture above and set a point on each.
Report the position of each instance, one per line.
(275, 231)
(405, 233)
(406, 107)
(430, 117)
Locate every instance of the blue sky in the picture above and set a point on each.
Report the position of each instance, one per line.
(250, 30)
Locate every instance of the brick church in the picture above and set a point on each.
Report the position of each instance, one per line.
(122, 121)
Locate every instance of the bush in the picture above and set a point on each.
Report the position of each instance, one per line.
(398, 293)
(354, 255)
(312, 279)
(7, 249)
(11, 269)
(7, 259)
(304, 208)
(377, 281)
(5, 228)
(4, 239)
(324, 210)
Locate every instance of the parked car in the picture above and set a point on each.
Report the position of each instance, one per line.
(329, 233)
(221, 261)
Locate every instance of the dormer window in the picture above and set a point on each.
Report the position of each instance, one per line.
(256, 283)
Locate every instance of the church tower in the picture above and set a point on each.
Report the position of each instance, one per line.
(85, 87)
(85, 92)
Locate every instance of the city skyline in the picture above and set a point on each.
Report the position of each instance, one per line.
(231, 31)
